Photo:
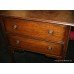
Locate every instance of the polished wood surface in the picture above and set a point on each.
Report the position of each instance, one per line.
(40, 30)
(35, 45)
(56, 15)
(36, 35)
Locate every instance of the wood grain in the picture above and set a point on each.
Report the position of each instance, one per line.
(37, 36)
(56, 15)
(36, 29)
(35, 45)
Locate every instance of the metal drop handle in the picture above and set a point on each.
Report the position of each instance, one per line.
(17, 41)
(50, 31)
(50, 48)
(15, 27)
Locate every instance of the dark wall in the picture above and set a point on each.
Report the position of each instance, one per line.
(4, 57)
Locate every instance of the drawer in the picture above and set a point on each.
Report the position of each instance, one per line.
(35, 45)
(41, 30)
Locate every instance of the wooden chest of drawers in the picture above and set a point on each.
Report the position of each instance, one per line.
(38, 36)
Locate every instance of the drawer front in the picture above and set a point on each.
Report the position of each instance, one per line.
(35, 45)
(46, 31)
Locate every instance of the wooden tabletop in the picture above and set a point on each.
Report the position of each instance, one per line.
(54, 16)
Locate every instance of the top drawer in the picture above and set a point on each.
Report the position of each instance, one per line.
(41, 30)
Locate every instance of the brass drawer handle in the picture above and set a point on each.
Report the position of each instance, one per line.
(50, 31)
(17, 41)
(50, 48)
(15, 27)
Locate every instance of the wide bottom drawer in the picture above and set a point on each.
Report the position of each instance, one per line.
(35, 45)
